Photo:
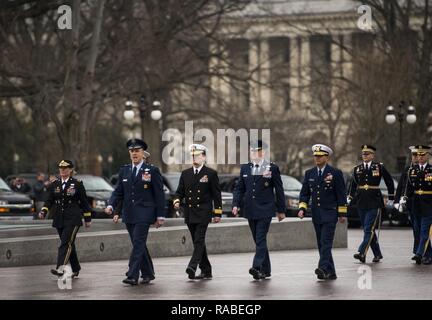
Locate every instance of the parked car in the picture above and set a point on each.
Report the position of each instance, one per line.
(98, 192)
(389, 213)
(13, 203)
(292, 188)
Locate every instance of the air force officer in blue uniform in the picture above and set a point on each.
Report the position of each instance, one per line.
(140, 190)
(324, 186)
(261, 191)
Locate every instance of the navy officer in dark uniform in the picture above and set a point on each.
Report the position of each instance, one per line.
(67, 204)
(140, 190)
(261, 189)
(324, 186)
(200, 189)
(420, 184)
(404, 197)
(365, 193)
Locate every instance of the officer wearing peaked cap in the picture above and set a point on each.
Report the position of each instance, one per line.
(261, 190)
(324, 187)
(365, 193)
(67, 204)
(404, 197)
(139, 189)
(420, 184)
(200, 191)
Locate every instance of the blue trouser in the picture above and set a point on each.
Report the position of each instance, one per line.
(415, 224)
(370, 221)
(423, 248)
(325, 234)
(140, 259)
(260, 228)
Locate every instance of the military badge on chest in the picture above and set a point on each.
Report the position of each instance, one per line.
(428, 177)
(146, 176)
(204, 179)
(329, 178)
(267, 173)
(375, 172)
(57, 190)
(71, 190)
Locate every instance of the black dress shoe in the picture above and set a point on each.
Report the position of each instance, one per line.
(427, 261)
(321, 274)
(191, 272)
(147, 279)
(75, 274)
(267, 275)
(377, 258)
(417, 259)
(332, 276)
(256, 274)
(204, 276)
(360, 257)
(56, 273)
(130, 281)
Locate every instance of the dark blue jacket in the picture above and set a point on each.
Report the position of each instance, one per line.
(327, 195)
(262, 195)
(143, 200)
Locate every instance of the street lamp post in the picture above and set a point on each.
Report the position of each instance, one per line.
(155, 115)
(411, 118)
(16, 159)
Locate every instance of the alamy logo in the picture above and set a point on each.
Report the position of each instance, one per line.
(365, 21)
(64, 22)
(364, 282)
(65, 281)
(221, 148)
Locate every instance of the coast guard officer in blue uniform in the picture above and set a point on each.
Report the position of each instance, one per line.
(324, 186)
(260, 187)
(140, 191)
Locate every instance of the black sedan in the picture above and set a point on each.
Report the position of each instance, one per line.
(13, 203)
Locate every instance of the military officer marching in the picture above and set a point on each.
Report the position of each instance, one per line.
(261, 192)
(139, 190)
(365, 193)
(324, 187)
(404, 197)
(420, 184)
(199, 188)
(67, 204)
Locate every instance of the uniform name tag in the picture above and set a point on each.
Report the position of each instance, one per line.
(245, 176)
(124, 180)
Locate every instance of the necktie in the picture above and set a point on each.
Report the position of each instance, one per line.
(196, 171)
(319, 173)
(63, 185)
(422, 168)
(134, 171)
(255, 171)
(367, 167)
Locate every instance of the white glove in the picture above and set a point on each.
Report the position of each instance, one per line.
(348, 200)
(397, 206)
(403, 200)
(390, 203)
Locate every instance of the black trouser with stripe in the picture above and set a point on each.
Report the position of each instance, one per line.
(67, 252)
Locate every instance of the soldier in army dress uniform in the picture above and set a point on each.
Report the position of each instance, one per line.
(420, 185)
(365, 193)
(67, 204)
(200, 190)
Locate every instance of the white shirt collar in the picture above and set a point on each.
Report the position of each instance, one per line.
(367, 163)
(138, 166)
(65, 181)
(199, 168)
(322, 169)
(258, 163)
